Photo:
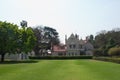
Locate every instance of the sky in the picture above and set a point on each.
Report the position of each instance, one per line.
(82, 17)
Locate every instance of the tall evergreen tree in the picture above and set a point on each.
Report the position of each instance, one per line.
(46, 37)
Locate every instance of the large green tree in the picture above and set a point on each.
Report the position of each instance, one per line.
(51, 35)
(26, 40)
(14, 39)
(46, 37)
(8, 38)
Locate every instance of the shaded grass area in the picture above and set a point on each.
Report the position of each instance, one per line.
(18, 62)
(61, 70)
(108, 59)
(60, 57)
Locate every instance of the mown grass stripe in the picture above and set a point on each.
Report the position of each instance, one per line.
(61, 70)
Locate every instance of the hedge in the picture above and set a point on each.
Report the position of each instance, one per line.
(108, 59)
(98, 52)
(114, 51)
(60, 57)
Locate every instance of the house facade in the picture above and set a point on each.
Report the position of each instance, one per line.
(74, 47)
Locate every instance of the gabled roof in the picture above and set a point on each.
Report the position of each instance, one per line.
(82, 42)
(72, 36)
(59, 48)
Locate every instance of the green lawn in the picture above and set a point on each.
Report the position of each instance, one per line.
(60, 70)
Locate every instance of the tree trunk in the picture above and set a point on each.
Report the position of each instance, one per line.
(2, 57)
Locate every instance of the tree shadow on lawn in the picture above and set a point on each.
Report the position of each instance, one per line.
(19, 62)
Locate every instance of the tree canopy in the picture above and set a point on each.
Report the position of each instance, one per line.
(106, 40)
(14, 39)
(46, 37)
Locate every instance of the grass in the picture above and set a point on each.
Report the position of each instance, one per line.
(60, 70)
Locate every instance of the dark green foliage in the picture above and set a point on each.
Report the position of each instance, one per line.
(108, 59)
(61, 57)
(52, 35)
(91, 39)
(98, 52)
(100, 40)
(8, 38)
(106, 40)
(46, 37)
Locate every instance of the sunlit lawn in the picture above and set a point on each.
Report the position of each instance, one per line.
(60, 70)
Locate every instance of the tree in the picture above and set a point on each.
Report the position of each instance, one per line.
(27, 38)
(14, 39)
(100, 40)
(51, 35)
(46, 37)
(91, 39)
(107, 39)
(39, 39)
(103, 38)
(8, 38)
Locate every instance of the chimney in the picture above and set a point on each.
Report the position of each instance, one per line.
(65, 39)
(76, 36)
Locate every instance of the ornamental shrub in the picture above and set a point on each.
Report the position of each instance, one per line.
(114, 51)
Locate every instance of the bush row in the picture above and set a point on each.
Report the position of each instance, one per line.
(114, 51)
(108, 59)
(60, 57)
(100, 52)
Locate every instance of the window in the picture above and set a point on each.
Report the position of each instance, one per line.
(72, 54)
(75, 53)
(69, 54)
(70, 46)
(74, 46)
(80, 46)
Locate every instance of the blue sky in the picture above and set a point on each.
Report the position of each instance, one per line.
(83, 17)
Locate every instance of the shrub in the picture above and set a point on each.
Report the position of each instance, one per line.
(98, 52)
(60, 57)
(114, 51)
(108, 59)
